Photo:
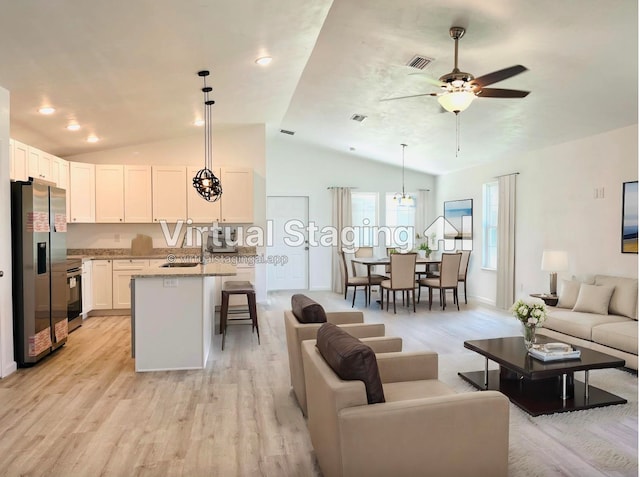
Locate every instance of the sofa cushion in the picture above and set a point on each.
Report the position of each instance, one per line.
(624, 300)
(568, 293)
(594, 299)
(350, 359)
(405, 390)
(622, 336)
(575, 323)
(307, 310)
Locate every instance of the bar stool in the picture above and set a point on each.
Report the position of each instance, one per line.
(238, 288)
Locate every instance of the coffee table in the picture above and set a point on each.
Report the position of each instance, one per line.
(539, 387)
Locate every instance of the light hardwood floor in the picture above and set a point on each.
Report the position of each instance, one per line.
(85, 412)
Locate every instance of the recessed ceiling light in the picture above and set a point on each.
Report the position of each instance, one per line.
(93, 138)
(47, 110)
(73, 127)
(264, 60)
(198, 122)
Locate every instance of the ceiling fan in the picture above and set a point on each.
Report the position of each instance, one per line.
(460, 88)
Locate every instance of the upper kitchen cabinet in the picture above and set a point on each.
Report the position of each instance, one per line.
(137, 194)
(19, 161)
(39, 164)
(169, 184)
(236, 203)
(199, 210)
(109, 193)
(82, 187)
(60, 172)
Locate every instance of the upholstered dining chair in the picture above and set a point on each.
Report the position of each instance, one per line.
(403, 278)
(448, 279)
(356, 281)
(462, 272)
(361, 252)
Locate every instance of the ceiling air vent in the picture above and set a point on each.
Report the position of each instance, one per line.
(419, 62)
(285, 131)
(358, 117)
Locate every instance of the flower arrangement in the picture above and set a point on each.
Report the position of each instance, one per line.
(424, 245)
(530, 314)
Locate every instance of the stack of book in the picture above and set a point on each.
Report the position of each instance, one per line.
(554, 352)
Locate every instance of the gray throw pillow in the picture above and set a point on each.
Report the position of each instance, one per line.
(594, 299)
(350, 359)
(307, 310)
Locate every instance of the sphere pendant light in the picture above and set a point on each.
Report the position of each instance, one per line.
(205, 181)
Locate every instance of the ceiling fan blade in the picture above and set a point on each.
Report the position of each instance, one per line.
(412, 96)
(501, 93)
(499, 75)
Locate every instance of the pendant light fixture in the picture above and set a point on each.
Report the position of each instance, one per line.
(205, 181)
(403, 199)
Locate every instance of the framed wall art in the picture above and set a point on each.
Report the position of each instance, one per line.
(459, 213)
(629, 233)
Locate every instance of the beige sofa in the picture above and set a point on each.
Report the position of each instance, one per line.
(351, 321)
(422, 428)
(599, 313)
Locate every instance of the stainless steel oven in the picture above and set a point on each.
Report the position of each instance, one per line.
(74, 293)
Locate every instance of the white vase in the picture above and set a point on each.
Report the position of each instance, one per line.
(422, 253)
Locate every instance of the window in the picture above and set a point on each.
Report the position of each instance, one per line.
(401, 221)
(364, 215)
(490, 225)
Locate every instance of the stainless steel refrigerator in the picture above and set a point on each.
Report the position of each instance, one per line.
(39, 248)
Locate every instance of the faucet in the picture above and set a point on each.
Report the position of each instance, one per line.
(204, 237)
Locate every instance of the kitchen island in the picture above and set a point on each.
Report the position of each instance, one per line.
(172, 315)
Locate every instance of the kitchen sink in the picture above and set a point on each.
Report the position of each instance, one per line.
(179, 264)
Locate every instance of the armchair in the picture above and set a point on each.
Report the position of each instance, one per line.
(422, 428)
(351, 321)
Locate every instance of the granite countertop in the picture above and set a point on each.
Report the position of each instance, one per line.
(207, 270)
(168, 254)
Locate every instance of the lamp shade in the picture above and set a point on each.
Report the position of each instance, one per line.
(456, 101)
(555, 261)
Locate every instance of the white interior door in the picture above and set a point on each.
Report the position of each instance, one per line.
(291, 269)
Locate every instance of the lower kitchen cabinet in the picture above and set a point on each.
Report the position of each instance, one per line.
(87, 287)
(102, 284)
(121, 288)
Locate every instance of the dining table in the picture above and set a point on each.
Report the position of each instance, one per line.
(371, 262)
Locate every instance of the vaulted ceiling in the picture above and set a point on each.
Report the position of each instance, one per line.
(125, 70)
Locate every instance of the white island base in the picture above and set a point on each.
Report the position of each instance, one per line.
(172, 317)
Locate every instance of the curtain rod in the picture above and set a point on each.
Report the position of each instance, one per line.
(425, 190)
(339, 187)
(510, 174)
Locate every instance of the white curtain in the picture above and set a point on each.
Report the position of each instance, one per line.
(341, 218)
(506, 279)
(421, 211)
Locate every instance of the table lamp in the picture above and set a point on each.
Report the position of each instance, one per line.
(554, 261)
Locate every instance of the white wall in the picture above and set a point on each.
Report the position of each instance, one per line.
(556, 208)
(303, 170)
(242, 146)
(7, 362)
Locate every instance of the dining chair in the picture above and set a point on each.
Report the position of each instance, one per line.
(462, 272)
(356, 281)
(448, 279)
(403, 278)
(361, 252)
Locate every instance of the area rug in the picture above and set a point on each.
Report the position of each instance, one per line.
(595, 442)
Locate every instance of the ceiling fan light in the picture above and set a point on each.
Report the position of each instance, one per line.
(456, 101)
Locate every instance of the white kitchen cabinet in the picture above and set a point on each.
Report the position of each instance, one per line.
(109, 193)
(87, 287)
(122, 271)
(169, 184)
(82, 187)
(236, 203)
(138, 194)
(19, 161)
(199, 210)
(64, 184)
(102, 285)
(39, 164)
(60, 172)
